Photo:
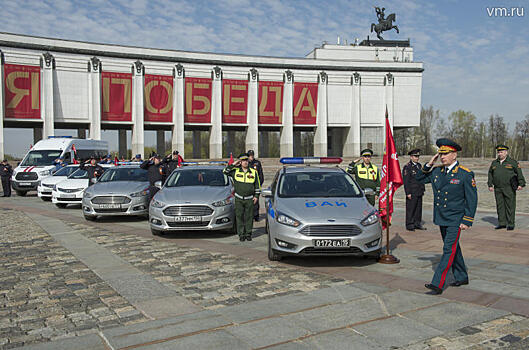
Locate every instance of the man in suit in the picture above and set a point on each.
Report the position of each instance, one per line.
(455, 203)
(414, 192)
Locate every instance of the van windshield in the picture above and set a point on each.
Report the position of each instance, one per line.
(41, 158)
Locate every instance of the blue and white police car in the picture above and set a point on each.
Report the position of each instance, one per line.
(319, 210)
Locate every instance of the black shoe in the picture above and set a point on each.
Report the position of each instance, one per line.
(256, 218)
(422, 228)
(241, 238)
(459, 283)
(499, 227)
(248, 238)
(410, 229)
(510, 228)
(435, 290)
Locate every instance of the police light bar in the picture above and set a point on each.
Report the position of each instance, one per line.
(213, 162)
(128, 163)
(59, 137)
(311, 160)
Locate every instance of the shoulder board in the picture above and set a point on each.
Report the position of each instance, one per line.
(465, 168)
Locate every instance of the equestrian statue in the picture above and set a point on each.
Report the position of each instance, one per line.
(384, 24)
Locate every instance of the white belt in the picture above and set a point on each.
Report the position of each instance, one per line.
(242, 197)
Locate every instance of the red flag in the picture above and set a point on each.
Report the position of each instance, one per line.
(75, 161)
(180, 160)
(391, 177)
(231, 159)
(116, 160)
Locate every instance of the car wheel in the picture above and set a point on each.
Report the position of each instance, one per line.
(90, 217)
(156, 232)
(272, 254)
(61, 205)
(21, 193)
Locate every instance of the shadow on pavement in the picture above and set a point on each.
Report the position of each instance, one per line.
(328, 261)
(491, 220)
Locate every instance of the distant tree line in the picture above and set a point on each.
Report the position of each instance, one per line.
(477, 138)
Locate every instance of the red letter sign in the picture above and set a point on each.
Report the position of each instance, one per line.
(22, 91)
(158, 98)
(305, 103)
(235, 102)
(198, 100)
(117, 96)
(270, 102)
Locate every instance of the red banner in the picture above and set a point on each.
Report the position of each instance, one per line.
(22, 91)
(198, 100)
(235, 101)
(271, 102)
(158, 94)
(305, 103)
(117, 96)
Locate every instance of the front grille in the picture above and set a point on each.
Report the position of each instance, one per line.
(188, 224)
(188, 210)
(26, 176)
(69, 190)
(115, 210)
(312, 250)
(331, 230)
(70, 199)
(111, 200)
(48, 186)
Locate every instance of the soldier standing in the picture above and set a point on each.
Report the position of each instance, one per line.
(256, 165)
(247, 190)
(93, 169)
(170, 163)
(6, 171)
(414, 192)
(152, 165)
(455, 203)
(505, 178)
(366, 174)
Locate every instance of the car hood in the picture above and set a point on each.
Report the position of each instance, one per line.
(118, 187)
(73, 183)
(318, 210)
(52, 180)
(193, 194)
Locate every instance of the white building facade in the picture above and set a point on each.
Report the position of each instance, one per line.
(338, 92)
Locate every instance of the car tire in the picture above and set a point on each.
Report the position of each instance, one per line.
(61, 205)
(21, 193)
(90, 217)
(273, 255)
(156, 232)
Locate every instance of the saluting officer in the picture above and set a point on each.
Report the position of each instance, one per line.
(152, 165)
(505, 178)
(414, 192)
(455, 203)
(6, 171)
(256, 165)
(93, 169)
(170, 163)
(366, 174)
(247, 189)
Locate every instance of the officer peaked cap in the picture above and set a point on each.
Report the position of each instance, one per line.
(251, 152)
(447, 146)
(415, 152)
(366, 152)
(501, 148)
(243, 156)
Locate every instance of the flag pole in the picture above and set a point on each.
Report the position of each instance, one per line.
(387, 258)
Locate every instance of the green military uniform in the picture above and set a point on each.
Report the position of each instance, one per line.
(247, 187)
(367, 176)
(500, 175)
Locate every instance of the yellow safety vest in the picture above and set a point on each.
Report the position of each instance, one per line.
(249, 176)
(367, 173)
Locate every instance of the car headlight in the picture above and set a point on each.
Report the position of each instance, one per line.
(142, 193)
(224, 202)
(44, 172)
(157, 204)
(87, 194)
(370, 219)
(287, 220)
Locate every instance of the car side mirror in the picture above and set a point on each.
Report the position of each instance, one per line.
(158, 184)
(267, 192)
(369, 192)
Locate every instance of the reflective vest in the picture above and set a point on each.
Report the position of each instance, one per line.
(367, 173)
(248, 177)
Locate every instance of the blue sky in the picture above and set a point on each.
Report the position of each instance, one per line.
(472, 61)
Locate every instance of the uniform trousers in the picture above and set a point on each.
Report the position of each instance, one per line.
(505, 205)
(152, 191)
(6, 186)
(413, 212)
(244, 216)
(452, 257)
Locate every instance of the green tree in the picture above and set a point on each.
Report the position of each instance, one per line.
(462, 126)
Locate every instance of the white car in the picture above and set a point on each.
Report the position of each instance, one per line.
(70, 191)
(45, 186)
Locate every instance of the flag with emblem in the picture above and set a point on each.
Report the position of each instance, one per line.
(231, 159)
(391, 177)
(74, 155)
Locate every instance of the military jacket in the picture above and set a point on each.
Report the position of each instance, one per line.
(455, 194)
(366, 176)
(255, 164)
(245, 183)
(6, 170)
(411, 185)
(500, 174)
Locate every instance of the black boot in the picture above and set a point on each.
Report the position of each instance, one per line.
(435, 290)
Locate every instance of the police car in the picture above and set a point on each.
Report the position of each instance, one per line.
(121, 190)
(197, 196)
(315, 210)
(45, 186)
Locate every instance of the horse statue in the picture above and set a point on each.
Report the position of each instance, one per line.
(384, 24)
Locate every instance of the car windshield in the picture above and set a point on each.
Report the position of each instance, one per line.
(318, 184)
(66, 171)
(79, 174)
(124, 174)
(41, 158)
(197, 177)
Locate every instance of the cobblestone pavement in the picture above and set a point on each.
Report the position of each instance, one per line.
(45, 292)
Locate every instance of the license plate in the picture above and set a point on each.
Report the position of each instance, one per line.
(109, 206)
(25, 184)
(187, 218)
(67, 195)
(331, 243)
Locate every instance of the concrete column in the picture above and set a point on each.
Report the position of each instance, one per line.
(286, 145)
(160, 142)
(46, 93)
(81, 133)
(37, 135)
(215, 135)
(138, 146)
(320, 136)
(94, 97)
(122, 143)
(389, 81)
(296, 135)
(177, 135)
(2, 109)
(337, 142)
(197, 144)
(230, 145)
(252, 131)
(265, 144)
(352, 140)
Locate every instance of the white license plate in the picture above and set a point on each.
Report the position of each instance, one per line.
(331, 243)
(67, 195)
(25, 184)
(188, 218)
(109, 206)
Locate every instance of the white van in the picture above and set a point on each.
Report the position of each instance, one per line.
(38, 162)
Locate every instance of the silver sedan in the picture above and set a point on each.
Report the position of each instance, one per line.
(122, 190)
(193, 198)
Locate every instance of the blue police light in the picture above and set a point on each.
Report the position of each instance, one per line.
(213, 162)
(59, 137)
(129, 163)
(310, 160)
